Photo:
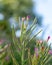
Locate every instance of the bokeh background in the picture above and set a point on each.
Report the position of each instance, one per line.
(12, 10)
(26, 32)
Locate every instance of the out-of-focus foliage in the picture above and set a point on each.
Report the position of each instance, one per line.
(16, 7)
(26, 50)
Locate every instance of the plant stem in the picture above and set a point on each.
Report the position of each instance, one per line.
(22, 59)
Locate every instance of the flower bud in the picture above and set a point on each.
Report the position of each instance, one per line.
(1, 41)
(7, 58)
(50, 52)
(23, 18)
(40, 41)
(48, 38)
(28, 17)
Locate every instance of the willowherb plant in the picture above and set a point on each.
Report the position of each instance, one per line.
(42, 54)
(25, 50)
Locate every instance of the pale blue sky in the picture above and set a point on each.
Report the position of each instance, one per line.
(44, 8)
(1, 16)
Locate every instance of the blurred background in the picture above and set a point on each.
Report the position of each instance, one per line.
(11, 11)
(44, 9)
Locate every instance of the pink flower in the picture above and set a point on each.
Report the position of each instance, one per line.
(23, 18)
(37, 55)
(48, 38)
(36, 52)
(28, 17)
(40, 41)
(50, 52)
(7, 58)
(1, 41)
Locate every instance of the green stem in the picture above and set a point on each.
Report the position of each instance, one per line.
(22, 59)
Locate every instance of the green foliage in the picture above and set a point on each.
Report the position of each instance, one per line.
(5, 29)
(25, 50)
(16, 8)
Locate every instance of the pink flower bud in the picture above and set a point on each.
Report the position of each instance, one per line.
(1, 41)
(28, 17)
(50, 51)
(40, 41)
(48, 38)
(23, 18)
(37, 55)
(7, 58)
(36, 52)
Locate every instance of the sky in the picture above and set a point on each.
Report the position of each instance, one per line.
(1, 16)
(44, 8)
